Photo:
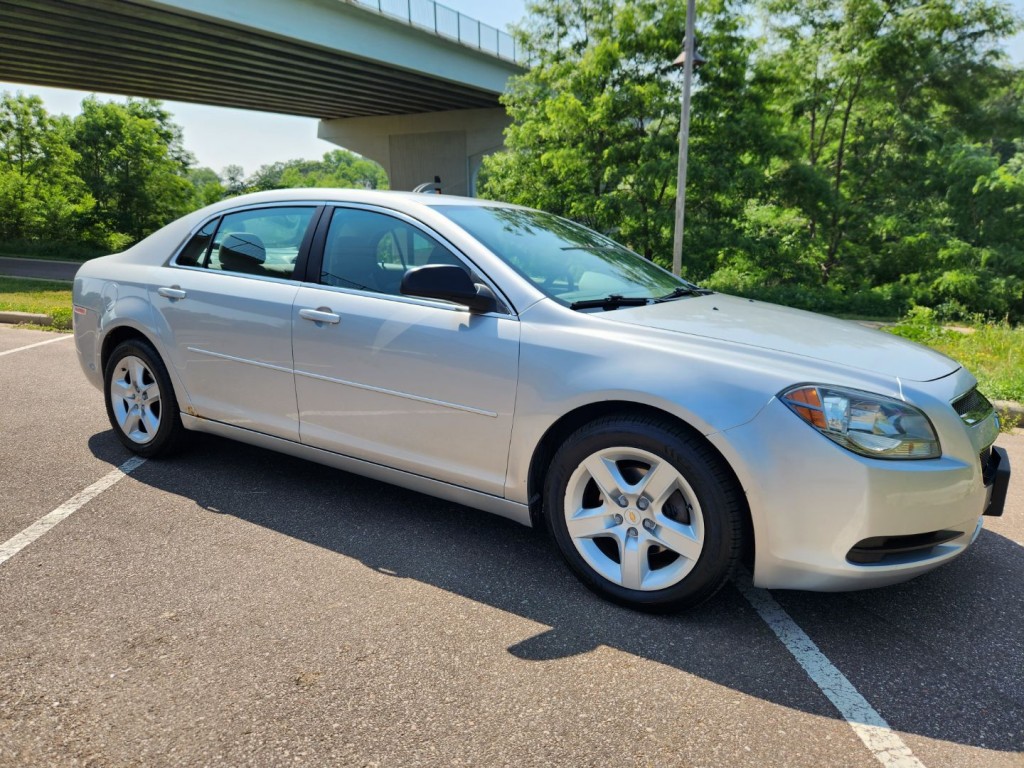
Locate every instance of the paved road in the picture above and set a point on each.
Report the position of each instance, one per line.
(40, 268)
(238, 607)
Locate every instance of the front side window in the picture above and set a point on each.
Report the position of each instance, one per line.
(371, 251)
(566, 261)
(262, 242)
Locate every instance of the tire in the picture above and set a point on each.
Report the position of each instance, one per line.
(645, 513)
(140, 400)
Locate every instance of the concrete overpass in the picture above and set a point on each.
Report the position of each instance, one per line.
(411, 84)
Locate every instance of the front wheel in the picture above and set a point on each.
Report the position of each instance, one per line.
(645, 513)
(140, 400)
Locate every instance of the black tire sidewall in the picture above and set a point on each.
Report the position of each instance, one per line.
(170, 429)
(722, 525)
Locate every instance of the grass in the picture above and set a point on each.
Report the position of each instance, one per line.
(40, 296)
(993, 353)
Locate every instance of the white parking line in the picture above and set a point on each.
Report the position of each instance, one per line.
(37, 344)
(15, 544)
(887, 747)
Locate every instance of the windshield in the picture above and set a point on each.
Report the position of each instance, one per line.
(566, 261)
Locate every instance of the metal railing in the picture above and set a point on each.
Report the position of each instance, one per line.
(447, 22)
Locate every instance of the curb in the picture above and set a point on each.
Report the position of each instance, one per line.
(1010, 407)
(25, 317)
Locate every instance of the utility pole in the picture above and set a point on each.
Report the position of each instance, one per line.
(688, 61)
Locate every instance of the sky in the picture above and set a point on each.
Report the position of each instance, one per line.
(214, 136)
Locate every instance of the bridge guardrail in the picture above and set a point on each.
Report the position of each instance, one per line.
(447, 22)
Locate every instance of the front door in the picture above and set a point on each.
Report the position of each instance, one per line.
(422, 386)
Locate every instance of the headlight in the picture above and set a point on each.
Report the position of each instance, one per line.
(871, 425)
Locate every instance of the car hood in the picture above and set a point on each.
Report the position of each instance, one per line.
(791, 331)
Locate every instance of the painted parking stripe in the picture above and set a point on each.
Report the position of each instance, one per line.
(15, 544)
(37, 344)
(887, 747)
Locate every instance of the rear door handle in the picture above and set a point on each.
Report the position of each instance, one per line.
(320, 316)
(171, 293)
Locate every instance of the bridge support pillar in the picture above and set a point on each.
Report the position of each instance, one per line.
(416, 148)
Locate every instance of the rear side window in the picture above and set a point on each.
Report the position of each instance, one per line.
(195, 250)
(263, 242)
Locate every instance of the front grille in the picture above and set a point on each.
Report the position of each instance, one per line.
(972, 407)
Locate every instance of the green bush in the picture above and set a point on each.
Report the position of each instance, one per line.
(43, 249)
(994, 352)
(884, 302)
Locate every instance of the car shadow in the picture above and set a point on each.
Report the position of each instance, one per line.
(940, 656)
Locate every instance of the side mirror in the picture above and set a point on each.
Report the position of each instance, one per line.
(244, 246)
(448, 283)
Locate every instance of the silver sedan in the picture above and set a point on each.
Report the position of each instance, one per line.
(518, 363)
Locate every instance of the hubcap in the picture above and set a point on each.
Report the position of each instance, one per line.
(651, 541)
(135, 397)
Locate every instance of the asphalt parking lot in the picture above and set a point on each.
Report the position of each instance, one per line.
(233, 606)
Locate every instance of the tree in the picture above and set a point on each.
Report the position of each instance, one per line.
(872, 92)
(207, 185)
(133, 162)
(338, 168)
(40, 196)
(596, 123)
(861, 149)
(594, 118)
(234, 180)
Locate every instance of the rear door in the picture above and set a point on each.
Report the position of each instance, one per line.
(225, 306)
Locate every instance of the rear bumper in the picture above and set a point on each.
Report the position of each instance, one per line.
(87, 344)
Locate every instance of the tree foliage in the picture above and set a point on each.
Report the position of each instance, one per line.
(337, 168)
(131, 158)
(118, 171)
(40, 195)
(861, 153)
(595, 118)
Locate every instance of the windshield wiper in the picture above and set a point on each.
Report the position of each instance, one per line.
(614, 301)
(685, 290)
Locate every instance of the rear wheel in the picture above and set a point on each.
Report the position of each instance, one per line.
(140, 400)
(645, 513)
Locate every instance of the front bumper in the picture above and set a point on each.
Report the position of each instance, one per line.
(818, 510)
(996, 473)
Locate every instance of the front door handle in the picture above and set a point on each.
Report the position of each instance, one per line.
(171, 293)
(320, 316)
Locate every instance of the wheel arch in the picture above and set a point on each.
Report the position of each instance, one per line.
(561, 429)
(125, 332)
(116, 336)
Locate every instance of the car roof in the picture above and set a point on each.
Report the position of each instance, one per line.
(388, 198)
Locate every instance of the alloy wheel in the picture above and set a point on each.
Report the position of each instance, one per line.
(634, 518)
(135, 397)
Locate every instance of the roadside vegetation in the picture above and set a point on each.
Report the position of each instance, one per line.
(855, 158)
(37, 296)
(994, 352)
